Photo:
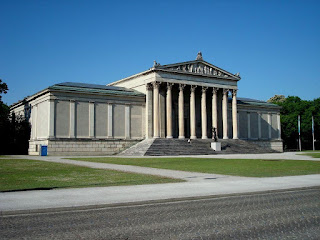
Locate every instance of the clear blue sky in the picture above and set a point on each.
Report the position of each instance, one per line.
(275, 45)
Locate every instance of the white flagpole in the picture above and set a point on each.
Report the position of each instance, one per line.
(313, 133)
(299, 132)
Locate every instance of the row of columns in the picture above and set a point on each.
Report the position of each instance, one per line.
(156, 132)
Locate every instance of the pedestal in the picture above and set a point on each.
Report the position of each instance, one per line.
(216, 146)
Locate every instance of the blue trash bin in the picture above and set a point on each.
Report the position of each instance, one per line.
(44, 150)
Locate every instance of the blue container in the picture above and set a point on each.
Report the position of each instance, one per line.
(44, 150)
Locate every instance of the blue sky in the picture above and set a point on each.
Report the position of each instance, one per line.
(275, 45)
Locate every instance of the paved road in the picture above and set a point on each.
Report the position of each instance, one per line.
(293, 214)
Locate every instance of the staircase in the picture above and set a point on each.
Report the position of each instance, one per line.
(230, 146)
(176, 147)
(138, 149)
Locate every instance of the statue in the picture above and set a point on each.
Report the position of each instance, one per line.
(155, 64)
(199, 56)
(214, 134)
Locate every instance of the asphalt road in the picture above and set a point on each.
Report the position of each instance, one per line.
(292, 214)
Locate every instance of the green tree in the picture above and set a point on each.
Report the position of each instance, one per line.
(14, 130)
(277, 98)
(293, 106)
(4, 120)
(3, 88)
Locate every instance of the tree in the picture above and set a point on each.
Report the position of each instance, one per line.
(277, 98)
(15, 130)
(4, 120)
(293, 106)
(3, 88)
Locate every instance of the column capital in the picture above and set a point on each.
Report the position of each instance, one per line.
(181, 86)
(215, 90)
(169, 85)
(204, 89)
(225, 91)
(193, 88)
(155, 85)
(149, 86)
(234, 92)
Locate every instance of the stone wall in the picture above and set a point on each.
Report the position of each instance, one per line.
(276, 145)
(77, 147)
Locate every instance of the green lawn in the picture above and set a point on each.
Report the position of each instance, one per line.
(237, 167)
(20, 174)
(312, 154)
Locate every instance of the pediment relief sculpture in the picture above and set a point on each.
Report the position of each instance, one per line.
(198, 68)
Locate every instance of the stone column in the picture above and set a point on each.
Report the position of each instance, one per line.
(127, 121)
(214, 110)
(238, 125)
(204, 113)
(162, 113)
(169, 110)
(193, 112)
(51, 125)
(72, 119)
(269, 124)
(34, 117)
(234, 114)
(259, 125)
(279, 125)
(91, 119)
(225, 113)
(249, 126)
(181, 111)
(156, 132)
(110, 120)
(149, 111)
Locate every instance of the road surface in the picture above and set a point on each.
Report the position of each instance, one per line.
(286, 214)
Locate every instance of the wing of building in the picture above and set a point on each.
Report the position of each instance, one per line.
(181, 100)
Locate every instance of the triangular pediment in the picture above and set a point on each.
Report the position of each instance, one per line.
(198, 67)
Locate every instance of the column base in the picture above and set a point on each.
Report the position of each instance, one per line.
(181, 137)
(225, 138)
(169, 137)
(156, 136)
(193, 137)
(235, 138)
(204, 137)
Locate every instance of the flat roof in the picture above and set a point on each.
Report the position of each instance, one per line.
(86, 87)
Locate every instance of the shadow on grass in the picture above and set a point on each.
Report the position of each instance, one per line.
(29, 189)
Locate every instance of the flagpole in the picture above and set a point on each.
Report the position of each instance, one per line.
(313, 133)
(299, 132)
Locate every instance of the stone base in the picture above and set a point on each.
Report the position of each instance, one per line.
(83, 147)
(276, 145)
(216, 146)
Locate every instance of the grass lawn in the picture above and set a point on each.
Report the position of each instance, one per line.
(312, 154)
(20, 174)
(237, 167)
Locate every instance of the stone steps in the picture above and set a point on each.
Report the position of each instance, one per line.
(173, 147)
(176, 147)
(138, 149)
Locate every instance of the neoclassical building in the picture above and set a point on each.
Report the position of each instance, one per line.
(183, 100)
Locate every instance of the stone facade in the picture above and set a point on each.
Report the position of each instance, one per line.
(199, 97)
(182, 100)
(81, 147)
